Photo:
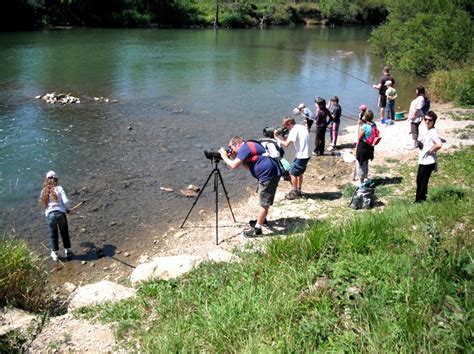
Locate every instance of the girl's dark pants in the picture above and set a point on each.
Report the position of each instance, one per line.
(57, 220)
(422, 179)
(319, 143)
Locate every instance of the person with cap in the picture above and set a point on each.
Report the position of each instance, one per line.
(382, 101)
(391, 94)
(362, 111)
(307, 114)
(55, 203)
(336, 112)
(298, 136)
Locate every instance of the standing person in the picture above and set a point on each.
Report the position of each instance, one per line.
(307, 114)
(321, 119)
(364, 151)
(415, 114)
(299, 136)
(250, 155)
(336, 112)
(427, 160)
(382, 101)
(391, 94)
(55, 202)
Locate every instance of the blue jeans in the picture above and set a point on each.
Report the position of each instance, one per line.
(57, 220)
(391, 109)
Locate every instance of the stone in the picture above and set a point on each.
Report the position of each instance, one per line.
(16, 320)
(68, 288)
(220, 256)
(98, 293)
(84, 262)
(164, 268)
(188, 193)
(166, 189)
(194, 188)
(126, 254)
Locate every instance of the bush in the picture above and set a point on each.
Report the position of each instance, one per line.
(465, 90)
(23, 280)
(425, 42)
(453, 85)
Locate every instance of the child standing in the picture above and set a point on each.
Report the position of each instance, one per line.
(56, 204)
(391, 94)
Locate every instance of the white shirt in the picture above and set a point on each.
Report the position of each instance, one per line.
(61, 205)
(300, 137)
(431, 139)
(415, 114)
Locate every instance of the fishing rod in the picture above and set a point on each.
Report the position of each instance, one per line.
(356, 119)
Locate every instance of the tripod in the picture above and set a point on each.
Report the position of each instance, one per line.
(217, 177)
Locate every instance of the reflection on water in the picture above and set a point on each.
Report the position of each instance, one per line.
(179, 92)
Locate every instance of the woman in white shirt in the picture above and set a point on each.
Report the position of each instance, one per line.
(415, 114)
(427, 159)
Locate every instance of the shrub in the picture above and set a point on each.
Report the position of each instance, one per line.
(23, 281)
(465, 89)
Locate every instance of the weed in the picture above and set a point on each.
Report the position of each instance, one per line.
(390, 160)
(348, 190)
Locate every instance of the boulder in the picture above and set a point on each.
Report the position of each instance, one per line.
(164, 268)
(220, 256)
(98, 293)
(16, 320)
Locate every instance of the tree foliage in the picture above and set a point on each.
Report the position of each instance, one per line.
(421, 37)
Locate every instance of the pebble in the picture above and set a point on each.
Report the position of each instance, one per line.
(84, 262)
(118, 251)
(126, 254)
(92, 265)
(166, 189)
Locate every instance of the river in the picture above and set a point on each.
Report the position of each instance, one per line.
(179, 92)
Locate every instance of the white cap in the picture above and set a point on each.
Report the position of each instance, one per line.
(388, 82)
(52, 174)
(301, 105)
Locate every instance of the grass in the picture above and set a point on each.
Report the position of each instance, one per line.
(397, 281)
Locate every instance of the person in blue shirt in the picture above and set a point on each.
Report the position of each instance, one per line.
(250, 155)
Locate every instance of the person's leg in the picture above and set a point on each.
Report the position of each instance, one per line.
(53, 232)
(262, 214)
(414, 133)
(392, 109)
(422, 179)
(322, 141)
(362, 170)
(64, 230)
(309, 123)
(335, 133)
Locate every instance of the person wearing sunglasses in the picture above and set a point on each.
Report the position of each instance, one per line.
(427, 161)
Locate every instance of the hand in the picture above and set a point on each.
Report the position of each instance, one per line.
(275, 133)
(223, 152)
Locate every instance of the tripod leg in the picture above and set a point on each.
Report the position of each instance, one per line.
(197, 198)
(225, 193)
(216, 190)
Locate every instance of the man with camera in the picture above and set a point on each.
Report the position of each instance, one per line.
(250, 155)
(299, 136)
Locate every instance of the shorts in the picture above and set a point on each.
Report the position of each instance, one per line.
(298, 167)
(382, 103)
(267, 190)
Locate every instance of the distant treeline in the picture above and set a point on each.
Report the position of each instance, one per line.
(35, 14)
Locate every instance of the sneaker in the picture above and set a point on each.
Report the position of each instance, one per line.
(54, 256)
(254, 222)
(68, 253)
(293, 195)
(253, 232)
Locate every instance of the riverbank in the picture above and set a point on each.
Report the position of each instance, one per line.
(327, 188)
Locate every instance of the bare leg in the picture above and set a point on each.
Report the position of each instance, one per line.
(262, 214)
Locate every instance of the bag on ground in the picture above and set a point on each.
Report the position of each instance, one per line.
(363, 198)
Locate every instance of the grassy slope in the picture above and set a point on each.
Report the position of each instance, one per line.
(399, 280)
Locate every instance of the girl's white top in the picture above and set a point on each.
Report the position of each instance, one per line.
(431, 139)
(61, 205)
(415, 114)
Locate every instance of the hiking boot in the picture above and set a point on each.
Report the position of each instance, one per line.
(54, 256)
(254, 222)
(68, 253)
(294, 194)
(253, 232)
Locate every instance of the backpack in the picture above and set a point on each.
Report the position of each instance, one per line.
(374, 137)
(363, 198)
(275, 151)
(426, 105)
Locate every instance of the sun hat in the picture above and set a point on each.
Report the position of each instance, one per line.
(363, 107)
(301, 105)
(52, 174)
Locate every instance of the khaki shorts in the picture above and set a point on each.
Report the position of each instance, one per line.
(267, 190)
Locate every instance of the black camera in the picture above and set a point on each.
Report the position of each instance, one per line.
(268, 132)
(216, 155)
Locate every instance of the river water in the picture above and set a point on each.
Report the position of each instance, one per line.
(179, 92)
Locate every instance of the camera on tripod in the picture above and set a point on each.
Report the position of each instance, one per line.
(215, 155)
(268, 132)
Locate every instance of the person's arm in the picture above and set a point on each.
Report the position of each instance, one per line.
(361, 135)
(284, 142)
(65, 200)
(231, 163)
(437, 146)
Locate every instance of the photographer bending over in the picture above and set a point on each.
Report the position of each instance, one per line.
(249, 155)
(299, 136)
